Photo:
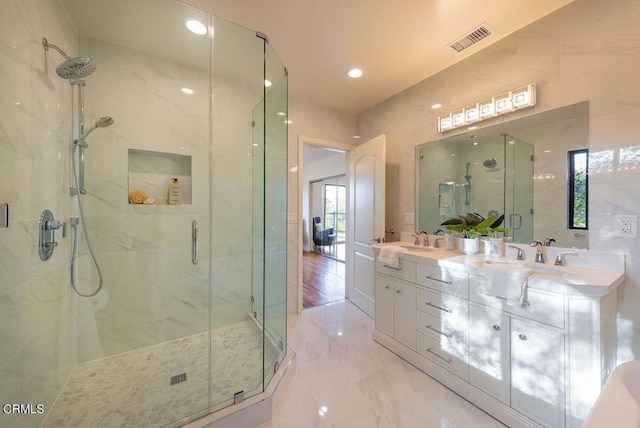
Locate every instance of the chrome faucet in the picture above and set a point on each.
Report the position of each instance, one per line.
(436, 244)
(426, 238)
(539, 254)
(519, 255)
(417, 236)
(439, 232)
(560, 260)
(548, 241)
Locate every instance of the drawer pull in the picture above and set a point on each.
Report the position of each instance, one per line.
(443, 309)
(448, 360)
(439, 280)
(496, 327)
(522, 337)
(449, 335)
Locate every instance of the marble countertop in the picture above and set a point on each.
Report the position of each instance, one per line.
(586, 273)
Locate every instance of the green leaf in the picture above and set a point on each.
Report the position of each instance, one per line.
(497, 223)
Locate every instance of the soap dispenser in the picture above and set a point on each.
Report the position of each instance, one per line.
(175, 195)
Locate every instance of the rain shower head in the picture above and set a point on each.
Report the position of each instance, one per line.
(71, 68)
(103, 122)
(490, 163)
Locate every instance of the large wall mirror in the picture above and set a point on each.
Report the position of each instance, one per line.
(524, 169)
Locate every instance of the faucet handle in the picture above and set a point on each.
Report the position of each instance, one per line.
(560, 259)
(535, 243)
(519, 255)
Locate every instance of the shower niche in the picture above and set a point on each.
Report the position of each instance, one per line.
(151, 174)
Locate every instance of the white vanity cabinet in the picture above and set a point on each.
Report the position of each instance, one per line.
(537, 373)
(541, 364)
(489, 352)
(395, 310)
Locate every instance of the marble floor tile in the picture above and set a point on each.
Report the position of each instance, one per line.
(344, 379)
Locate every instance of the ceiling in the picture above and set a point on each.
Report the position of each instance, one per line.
(397, 44)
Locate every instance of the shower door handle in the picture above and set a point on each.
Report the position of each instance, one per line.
(512, 219)
(195, 250)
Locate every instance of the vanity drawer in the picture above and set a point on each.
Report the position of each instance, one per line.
(406, 270)
(443, 280)
(452, 356)
(441, 305)
(448, 329)
(542, 306)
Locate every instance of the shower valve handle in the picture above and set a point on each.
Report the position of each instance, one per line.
(55, 225)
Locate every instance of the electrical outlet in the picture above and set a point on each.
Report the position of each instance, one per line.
(627, 225)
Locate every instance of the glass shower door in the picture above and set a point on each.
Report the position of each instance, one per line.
(519, 188)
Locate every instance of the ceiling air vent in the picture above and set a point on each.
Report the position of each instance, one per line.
(471, 38)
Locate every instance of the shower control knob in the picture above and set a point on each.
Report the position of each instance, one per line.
(55, 225)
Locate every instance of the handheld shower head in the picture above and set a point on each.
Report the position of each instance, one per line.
(71, 68)
(103, 122)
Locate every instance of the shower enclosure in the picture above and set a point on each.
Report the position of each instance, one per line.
(191, 316)
(490, 175)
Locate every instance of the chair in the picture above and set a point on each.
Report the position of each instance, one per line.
(323, 237)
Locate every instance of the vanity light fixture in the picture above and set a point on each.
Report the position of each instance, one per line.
(187, 91)
(504, 103)
(355, 73)
(196, 26)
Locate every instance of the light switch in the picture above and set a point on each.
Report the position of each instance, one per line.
(408, 218)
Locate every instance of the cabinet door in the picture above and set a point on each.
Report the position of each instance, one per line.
(384, 304)
(405, 314)
(489, 353)
(537, 373)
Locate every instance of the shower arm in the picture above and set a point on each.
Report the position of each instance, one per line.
(47, 45)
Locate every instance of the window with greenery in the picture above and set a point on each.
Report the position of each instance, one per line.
(335, 208)
(578, 189)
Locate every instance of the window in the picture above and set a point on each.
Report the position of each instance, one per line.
(335, 209)
(578, 189)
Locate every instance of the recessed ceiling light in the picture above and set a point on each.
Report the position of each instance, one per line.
(196, 26)
(436, 106)
(281, 114)
(356, 136)
(187, 91)
(355, 73)
(267, 83)
(288, 122)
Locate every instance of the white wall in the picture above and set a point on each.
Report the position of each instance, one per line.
(588, 50)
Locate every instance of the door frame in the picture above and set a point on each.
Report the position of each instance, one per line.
(302, 140)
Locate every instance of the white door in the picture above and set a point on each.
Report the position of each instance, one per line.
(365, 222)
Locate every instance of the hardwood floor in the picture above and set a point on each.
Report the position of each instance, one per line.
(322, 280)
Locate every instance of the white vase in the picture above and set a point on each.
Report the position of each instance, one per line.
(470, 246)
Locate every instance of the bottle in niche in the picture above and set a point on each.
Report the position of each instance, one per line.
(175, 195)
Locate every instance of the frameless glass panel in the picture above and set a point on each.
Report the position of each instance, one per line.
(236, 335)
(275, 214)
(133, 335)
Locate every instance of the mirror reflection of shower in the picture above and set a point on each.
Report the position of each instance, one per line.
(74, 70)
(467, 188)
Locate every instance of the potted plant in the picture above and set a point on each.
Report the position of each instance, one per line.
(471, 226)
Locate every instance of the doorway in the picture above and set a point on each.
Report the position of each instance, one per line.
(322, 231)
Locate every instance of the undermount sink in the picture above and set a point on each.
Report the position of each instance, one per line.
(534, 267)
(418, 248)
